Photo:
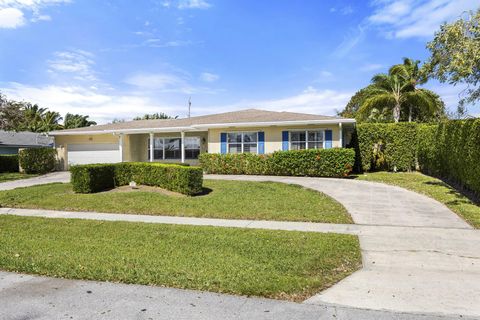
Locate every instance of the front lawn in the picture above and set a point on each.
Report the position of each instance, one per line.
(9, 176)
(274, 264)
(432, 187)
(222, 199)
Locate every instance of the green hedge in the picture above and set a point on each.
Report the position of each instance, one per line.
(8, 163)
(37, 160)
(334, 162)
(97, 177)
(386, 146)
(452, 150)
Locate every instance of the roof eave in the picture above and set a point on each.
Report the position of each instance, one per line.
(205, 127)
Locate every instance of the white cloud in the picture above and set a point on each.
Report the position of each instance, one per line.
(209, 77)
(193, 4)
(354, 37)
(166, 82)
(310, 100)
(326, 74)
(78, 62)
(417, 18)
(158, 43)
(11, 18)
(12, 12)
(99, 106)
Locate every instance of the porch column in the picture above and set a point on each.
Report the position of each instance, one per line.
(340, 135)
(120, 146)
(182, 134)
(151, 146)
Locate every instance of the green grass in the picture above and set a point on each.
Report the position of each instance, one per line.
(226, 199)
(274, 264)
(433, 188)
(9, 176)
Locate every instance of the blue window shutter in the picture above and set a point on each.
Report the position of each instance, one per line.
(328, 139)
(261, 142)
(223, 143)
(284, 140)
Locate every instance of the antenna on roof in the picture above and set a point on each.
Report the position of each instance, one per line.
(189, 105)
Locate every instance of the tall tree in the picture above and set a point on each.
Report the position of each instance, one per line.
(50, 121)
(77, 121)
(158, 115)
(455, 57)
(33, 116)
(11, 114)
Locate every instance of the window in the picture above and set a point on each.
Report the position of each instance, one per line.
(171, 148)
(242, 142)
(308, 139)
(192, 147)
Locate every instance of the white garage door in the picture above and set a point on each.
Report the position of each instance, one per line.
(93, 153)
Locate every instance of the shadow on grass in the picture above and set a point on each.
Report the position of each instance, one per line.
(205, 191)
(456, 190)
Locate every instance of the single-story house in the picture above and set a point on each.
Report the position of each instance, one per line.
(182, 140)
(11, 141)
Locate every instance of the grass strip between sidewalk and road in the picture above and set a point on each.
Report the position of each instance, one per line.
(10, 176)
(274, 264)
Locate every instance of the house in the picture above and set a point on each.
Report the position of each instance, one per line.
(11, 141)
(182, 140)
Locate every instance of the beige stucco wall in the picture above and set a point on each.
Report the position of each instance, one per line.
(62, 142)
(273, 136)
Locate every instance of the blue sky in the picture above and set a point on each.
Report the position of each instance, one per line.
(118, 59)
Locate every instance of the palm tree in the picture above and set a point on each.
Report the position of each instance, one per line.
(50, 121)
(77, 121)
(396, 90)
(33, 117)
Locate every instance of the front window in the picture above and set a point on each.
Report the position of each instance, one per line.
(242, 142)
(308, 139)
(171, 148)
(192, 147)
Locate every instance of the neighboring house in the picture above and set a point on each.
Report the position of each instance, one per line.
(11, 141)
(182, 140)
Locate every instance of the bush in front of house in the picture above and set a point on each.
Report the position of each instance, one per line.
(336, 162)
(92, 178)
(37, 160)
(8, 163)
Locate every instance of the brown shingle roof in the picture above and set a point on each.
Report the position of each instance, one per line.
(242, 116)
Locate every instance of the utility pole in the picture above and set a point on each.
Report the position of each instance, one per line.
(189, 106)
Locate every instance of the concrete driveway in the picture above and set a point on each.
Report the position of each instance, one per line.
(61, 176)
(418, 257)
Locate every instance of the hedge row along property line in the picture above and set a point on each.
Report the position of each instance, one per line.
(8, 163)
(449, 150)
(98, 177)
(37, 160)
(334, 162)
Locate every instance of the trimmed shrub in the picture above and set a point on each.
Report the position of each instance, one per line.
(37, 160)
(451, 150)
(8, 163)
(92, 178)
(386, 146)
(336, 162)
(97, 177)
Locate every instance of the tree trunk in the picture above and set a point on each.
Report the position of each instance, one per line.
(410, 114)
(396, 113)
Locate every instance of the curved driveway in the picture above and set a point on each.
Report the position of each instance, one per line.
(418, 256)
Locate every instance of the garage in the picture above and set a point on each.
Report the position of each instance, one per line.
(93, 153)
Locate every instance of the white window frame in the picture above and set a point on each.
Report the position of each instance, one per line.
(163, 145)
(242, 133)
(306, 137)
